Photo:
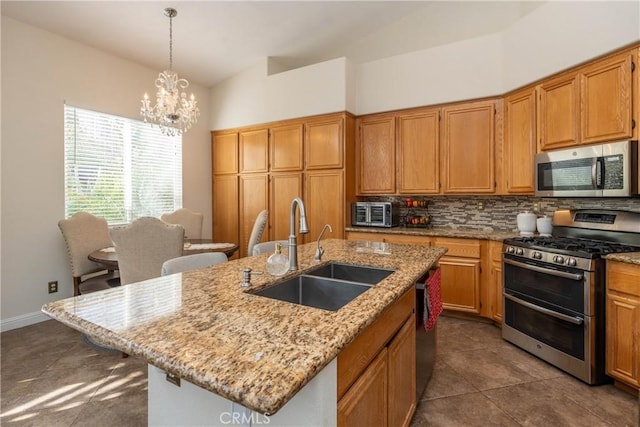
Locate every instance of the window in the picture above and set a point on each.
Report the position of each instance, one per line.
(118, 168)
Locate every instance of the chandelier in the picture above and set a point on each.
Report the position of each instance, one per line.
(173, 112)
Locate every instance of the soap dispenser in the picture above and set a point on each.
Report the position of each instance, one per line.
(277, 263)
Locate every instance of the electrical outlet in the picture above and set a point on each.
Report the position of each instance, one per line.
(52, 286)
(536, 206)
(480, 206)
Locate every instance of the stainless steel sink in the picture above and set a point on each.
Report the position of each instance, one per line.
(353, 273)
(329, 287)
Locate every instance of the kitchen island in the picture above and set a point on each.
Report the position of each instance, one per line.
(204, 328)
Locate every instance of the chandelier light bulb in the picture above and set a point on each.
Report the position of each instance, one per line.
(173, 111)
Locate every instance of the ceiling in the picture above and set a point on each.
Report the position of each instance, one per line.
(213, 40)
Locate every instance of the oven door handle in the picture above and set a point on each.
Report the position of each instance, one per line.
(563, 274)
(570, 319)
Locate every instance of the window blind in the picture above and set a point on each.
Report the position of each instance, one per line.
(118, 168)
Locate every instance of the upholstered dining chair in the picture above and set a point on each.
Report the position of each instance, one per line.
(144, 245)
(191, 221)
(258, 229)
(84, 233)
(192, 262)
(269, 247)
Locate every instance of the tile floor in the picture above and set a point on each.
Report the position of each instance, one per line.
(49, 377)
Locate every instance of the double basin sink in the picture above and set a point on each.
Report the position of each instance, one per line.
(328, 287)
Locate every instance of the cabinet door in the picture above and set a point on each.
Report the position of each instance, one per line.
(460, 284)
(606, 100)
(559, 112)
(283, 188)
(418, 153)
(623, 338)
(468, 147)
(376, 155)
(402, 378)
(225, 153)
(285, 148)
(324, 143)
(225, 208)
(365, 404)
(324, 202)
(253, 199)
(495, 292)
(520, 142)
(254, 151)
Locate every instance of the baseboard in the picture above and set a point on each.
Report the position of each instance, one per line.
(22, 321)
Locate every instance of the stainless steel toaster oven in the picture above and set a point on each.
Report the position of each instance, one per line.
(375, 214)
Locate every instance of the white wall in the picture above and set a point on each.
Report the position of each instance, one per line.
(559, 35)
(40, 71)
(253, 96)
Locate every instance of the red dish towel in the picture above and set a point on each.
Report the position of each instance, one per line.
(432, 300)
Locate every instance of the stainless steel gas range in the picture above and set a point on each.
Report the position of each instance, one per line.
(554, 288)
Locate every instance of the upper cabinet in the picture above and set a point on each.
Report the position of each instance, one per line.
(324, 143)
(285, 148)
(225, 153)
(254, 150)
(587, 105)
(519, 141)
(376, 158)
(468, 148)
(418, 139)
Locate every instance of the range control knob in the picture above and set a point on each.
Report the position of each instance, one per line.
(511, 250)
(519, 251)
(572, 262)
(559, 259)
(537, 255)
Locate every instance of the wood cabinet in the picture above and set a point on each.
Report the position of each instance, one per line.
(225, 208)
(283, 188)
(324, 199)
(325, 142)
(376, 148)
(376, 372)
(495, 281)
(460, 274)
(588, 104)
(519, 142)
(418, 151)
(254, 197)
(623, 322)
(468, 148)
(224, 150)
(285, 148)
(254, 151)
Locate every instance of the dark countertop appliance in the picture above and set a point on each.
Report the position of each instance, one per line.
(375, 214)
(554, 288)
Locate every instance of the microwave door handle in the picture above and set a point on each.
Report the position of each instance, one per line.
(600, 173)
(571, 319)
(594, 173)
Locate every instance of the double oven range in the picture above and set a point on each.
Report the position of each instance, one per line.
(554, 288)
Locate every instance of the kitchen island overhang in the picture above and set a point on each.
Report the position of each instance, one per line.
(203, 327)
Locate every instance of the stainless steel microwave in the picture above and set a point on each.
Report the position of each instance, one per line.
(607, 170)
(375, 214)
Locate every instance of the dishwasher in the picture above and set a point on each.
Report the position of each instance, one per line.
(425, 341)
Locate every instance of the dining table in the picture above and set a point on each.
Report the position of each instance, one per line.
(109, 258)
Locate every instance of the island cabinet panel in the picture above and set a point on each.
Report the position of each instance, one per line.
(559, 112)
(402, 379)
(254, 197)
(606, 99)
(254, 151)
(366, 403)
(380, 361)
(283, 188)
(623, 323)
(285, 148)
(325, 143)
(468, 148)
(418, 152)
(225, 153)
(519, 142)
(324, 200)
(225, 208)
(460, 274)
(376, 161)
(495, 281)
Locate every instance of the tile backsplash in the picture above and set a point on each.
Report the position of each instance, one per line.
(498, 213)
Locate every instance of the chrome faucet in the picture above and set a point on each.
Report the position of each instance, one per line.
(319, 250)
(304, 229)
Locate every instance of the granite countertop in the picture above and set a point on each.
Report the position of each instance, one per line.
(629, 258)
(203, 327)
(440, 232)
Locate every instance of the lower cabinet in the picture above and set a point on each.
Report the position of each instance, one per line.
(623, 322)
(460, 274)
(376, 372)
(495, 281)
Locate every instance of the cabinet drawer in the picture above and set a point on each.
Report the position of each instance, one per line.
(623, 277)
(468, 248)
